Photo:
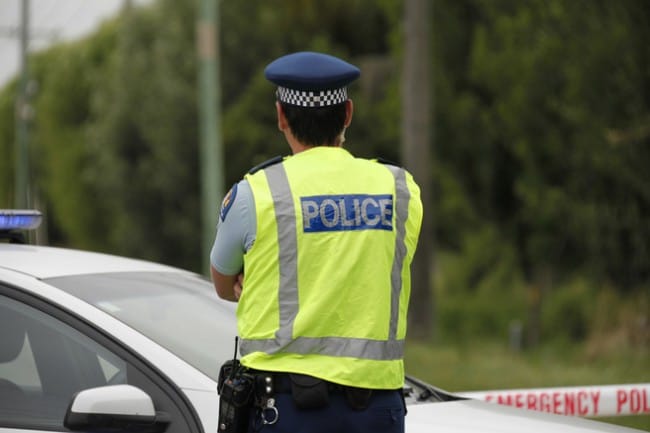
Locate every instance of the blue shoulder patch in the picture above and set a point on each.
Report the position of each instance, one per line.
(227, 202)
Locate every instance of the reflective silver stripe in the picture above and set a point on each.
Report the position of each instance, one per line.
(391, 349)
(403, 196)
(362, 348)
(285, 216)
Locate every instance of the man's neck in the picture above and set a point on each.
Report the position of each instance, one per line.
(297, 146)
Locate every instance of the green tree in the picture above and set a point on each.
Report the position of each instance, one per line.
(145, 136)
(533, 101)
(64, 166)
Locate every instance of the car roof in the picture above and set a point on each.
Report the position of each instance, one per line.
(49, 262)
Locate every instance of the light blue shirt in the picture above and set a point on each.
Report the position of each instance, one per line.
(236, 230)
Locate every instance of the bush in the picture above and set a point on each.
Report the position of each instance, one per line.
(479, 288)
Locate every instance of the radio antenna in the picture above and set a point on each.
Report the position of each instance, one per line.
(234, 356)
(235, 363)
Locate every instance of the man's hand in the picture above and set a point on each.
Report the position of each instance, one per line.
(229, 287)
(238, 286)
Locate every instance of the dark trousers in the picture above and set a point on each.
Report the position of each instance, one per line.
(385, 414)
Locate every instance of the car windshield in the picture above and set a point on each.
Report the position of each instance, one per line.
(181, 312)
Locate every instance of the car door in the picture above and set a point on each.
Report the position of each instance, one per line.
(47, 355)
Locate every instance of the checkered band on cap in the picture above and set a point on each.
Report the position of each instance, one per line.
(318, 98)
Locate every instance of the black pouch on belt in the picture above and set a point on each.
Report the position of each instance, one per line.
(358, 398)
(309, 392)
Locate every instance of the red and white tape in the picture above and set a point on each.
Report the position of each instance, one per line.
(588, 401)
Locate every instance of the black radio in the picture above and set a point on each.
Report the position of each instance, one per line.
(235, 389)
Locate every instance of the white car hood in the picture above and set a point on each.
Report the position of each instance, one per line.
(49, 262)
(473, 416)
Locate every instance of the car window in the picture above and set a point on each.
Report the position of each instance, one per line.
(44, 362)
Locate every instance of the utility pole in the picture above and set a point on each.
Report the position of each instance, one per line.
(417, 120)
(23, 116)
(210, 151)
(24, 195)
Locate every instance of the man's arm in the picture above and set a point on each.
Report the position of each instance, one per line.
(235, 235)
(228, 286)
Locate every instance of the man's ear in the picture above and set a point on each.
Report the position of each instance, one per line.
(283, 124)
(349, 110)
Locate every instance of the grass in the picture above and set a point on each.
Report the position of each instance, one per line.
(484, 365)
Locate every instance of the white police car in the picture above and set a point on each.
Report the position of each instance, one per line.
(91, 342)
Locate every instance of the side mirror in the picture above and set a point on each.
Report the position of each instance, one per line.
(117, 407)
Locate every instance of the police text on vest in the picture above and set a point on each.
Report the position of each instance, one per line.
(323, 213)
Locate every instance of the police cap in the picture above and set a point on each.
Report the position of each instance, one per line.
(310, 79)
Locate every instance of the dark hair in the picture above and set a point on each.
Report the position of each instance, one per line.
(315, 126)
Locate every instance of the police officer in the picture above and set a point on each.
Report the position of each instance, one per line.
(316, 248)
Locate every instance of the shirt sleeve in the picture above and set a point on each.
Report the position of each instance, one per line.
(236, 230)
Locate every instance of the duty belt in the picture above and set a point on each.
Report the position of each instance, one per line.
(282, 382)
(308, 392)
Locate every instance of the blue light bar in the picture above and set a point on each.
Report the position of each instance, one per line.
(15, 219)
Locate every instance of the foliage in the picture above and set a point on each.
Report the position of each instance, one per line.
(522, 126)
(541, 139)
(528, 97)
(480, 290)
(145, 136)
(65, 169)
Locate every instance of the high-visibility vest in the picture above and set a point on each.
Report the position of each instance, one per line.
(327, 280)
